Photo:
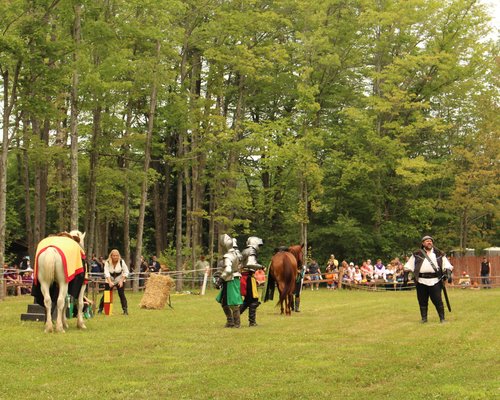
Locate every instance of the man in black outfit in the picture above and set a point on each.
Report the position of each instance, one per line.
(485, 273)
(430, 267)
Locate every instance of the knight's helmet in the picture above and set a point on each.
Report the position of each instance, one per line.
(227, 242)
(250, 261)
(231, 258)
(255, 242)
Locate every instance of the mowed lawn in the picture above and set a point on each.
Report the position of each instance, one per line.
(343, 345)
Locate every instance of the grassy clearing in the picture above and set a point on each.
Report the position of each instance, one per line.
(344, 344)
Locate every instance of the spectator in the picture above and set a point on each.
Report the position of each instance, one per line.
(330, 274)
(351, 270)
(346, 276)
(143, 272)
(379, 270)
(357, 276)
(27, 279)
(314, 274)
(96, 267)
(390, 272)
(333, 263)
(201, 267)
(485, 273)
(366, 272)
(154, 265)
(369, 264)
(464, 280)
(25, 264)
(399, 274)
(12, 280)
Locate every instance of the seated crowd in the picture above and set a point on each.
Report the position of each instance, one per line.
(18, 281)
(354, 273)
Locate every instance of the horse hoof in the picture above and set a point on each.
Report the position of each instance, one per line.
(82, 326)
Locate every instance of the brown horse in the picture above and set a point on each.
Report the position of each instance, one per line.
(285, 265)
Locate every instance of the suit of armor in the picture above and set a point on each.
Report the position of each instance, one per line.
(230, 295)
(248, 283)
(249, 255)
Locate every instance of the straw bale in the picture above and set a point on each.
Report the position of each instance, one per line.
(157, 292)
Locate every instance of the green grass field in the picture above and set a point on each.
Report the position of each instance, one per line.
(344, 344)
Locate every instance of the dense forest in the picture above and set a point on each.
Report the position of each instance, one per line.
(353, 126)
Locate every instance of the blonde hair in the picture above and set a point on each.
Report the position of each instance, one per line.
(109, 260)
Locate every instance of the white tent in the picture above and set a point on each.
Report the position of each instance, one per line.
(492, 251)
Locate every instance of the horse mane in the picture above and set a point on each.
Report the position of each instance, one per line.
(296, 250)
(280, 249)
(76, 238)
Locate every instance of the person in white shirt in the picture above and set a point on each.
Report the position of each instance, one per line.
(429, 266)
(115, 274)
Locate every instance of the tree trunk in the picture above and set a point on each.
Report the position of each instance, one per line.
(157, 217)
(73, 123)
(178, 222)
(126, 195)
(92, 187)
(27, 196)
(304, 224)
(40, 190)
(61, 178)
(147, 159)
(8, 104)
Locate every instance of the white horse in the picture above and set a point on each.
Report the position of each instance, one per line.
(50, 269)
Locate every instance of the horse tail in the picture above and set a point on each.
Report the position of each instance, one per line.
(47, 266)
(271, 285)
(289, 277)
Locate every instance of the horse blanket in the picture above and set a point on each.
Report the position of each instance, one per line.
(71, 255)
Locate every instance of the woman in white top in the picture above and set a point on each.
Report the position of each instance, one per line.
(115, 274)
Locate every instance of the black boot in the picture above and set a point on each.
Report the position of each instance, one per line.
(423, 313)
(440, 310)
(252, 314)
(297, 304)
(236, 316)
(125, 311)
(229, 316)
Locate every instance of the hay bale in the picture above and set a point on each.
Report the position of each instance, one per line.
(157, 292)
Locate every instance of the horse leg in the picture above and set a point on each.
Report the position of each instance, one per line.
(61, 308)
(282, 298)
(63, 317)
(289, 298)
(48, 307)
(80, 324)
(287, 305)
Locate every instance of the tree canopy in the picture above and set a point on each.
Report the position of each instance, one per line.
(353, 126)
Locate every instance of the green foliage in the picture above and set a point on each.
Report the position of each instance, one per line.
(366, 122)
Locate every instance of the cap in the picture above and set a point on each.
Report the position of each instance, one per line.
(351, 263)
(427, 237)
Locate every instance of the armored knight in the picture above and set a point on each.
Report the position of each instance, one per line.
(248, 284)
(230, 296)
